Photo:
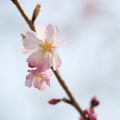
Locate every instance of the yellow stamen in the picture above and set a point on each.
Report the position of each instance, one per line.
(47, 47)
(38, 78)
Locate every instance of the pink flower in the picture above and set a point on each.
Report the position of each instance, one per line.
(93, 116)
(88, 114)
(38, 79)
(43, 45)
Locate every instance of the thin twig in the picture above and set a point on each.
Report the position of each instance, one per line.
(23, 14)
(35, 13)
(64, 86)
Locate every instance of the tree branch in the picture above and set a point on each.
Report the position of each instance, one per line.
(73, 101)
(30, 24)
(60, 80)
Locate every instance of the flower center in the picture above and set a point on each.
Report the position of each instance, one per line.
(38, 78)
(47, 47)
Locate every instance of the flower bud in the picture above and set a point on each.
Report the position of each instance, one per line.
(36, 12)
(86, 112)
(54, 101)
(94, 102)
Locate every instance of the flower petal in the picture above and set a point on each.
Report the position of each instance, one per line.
(34, 59)
(47, 77)
(56, 61)
(39, 84)
(59, 43)
(45, 62)
(40, 30)
(31, 41)
(28, 81)
(27, 51)
(51, 33)
(38, 79)
(40, 60)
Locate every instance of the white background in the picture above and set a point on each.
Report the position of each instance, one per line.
(90, 59)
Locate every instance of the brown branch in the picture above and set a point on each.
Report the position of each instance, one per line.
(35, 13)
(55, 101)
(73, 101)
(66, 101)
(30, 24)
(60, 80)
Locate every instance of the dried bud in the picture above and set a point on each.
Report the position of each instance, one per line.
(94, 102)
(35, 12)
(54, 101)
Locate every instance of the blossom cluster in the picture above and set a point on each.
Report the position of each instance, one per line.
(41, 46)
(89, 114)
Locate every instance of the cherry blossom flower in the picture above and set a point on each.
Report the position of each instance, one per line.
(42, 46)
(38, 79)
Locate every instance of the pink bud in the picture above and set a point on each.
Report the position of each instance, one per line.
(53, 101)
(94, 102)
(86, 112)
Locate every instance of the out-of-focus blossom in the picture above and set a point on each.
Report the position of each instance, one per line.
(94, 102)
(86, 112)
(38, 79)
(89, 114)
(42, 48)
(93, 116)
(91, 8)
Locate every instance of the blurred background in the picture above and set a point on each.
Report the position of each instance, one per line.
(90, 59)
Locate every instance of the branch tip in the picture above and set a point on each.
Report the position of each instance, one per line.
(36, 12)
